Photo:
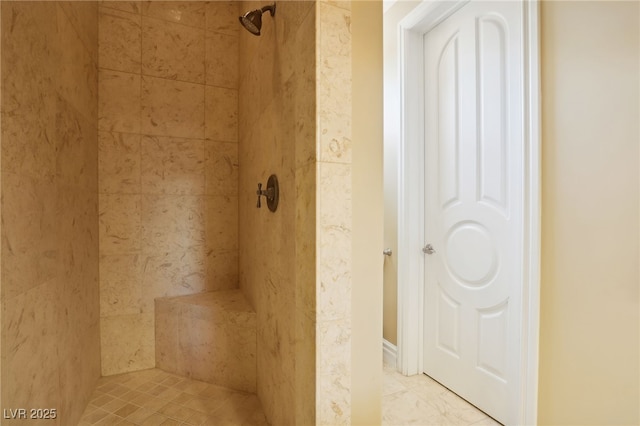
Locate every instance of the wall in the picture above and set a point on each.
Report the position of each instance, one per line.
(277, 133)
(49, 265)
(367, 240)
(334, 210)
(392, 133)
(590, 232)
(168, 164)
(589, 354)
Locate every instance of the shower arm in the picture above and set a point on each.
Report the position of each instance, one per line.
(271, 8)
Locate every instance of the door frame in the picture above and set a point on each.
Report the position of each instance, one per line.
(411, 179)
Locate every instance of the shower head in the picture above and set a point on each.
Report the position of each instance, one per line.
(252, 21)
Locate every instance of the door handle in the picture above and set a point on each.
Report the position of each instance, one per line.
(428, 249)
(387, 252)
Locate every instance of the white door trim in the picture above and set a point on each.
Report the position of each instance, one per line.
(411, 189)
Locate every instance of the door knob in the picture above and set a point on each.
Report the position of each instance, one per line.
(428, 249)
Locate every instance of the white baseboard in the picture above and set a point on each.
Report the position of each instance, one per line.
(389, 353)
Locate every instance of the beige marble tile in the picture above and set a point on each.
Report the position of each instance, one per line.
(173, 273)
(334, 84)
(222, 16)
(31, 253)
(172, 166)
(391, 385)
(454, 409)
(30, 143)
(120, 293)
(221, 168)
(210, 359)
(119, 102)
(338, 3)
(190, 13)
(222, 269)
(172, 223)
(233, 412)
(127, 343)
(172, 108)
(407, 408)
(215, 340)
(221, 60)
(173, 51)
(120, 223)
(334, 195)
(269, 120)
(296, 37)
(79, 292)
(333, 241)
(120, 36)
(77, 151)
(76, 72)
(119, 163)
(221, 114)
(276, 355)
(305, 117)
(305, 239)
(221, 307)
(177, 412)
(78, 371)
(167, 318)
(222, 223)
(49, 217)
(423, 385)
(84, 18)
(432, 402)
(334, 372)
(126, 6)
(29, 348)
(29, 91)
(305, 298)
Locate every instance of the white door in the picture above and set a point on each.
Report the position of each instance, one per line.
(474, 175)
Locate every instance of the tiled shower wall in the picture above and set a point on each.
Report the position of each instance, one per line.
(277, 249)
(295, 264)
(49, 265)
(168, 164)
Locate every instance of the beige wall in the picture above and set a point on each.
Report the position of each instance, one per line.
(168, 165)
(589, 304)
(589, 290)
(367, 240)
(392, 133)
(49, 266)
(277, 252)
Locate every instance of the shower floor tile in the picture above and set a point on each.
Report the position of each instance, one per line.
(154, 397)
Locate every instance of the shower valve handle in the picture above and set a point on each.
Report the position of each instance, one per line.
(272, 193)
(267, 193)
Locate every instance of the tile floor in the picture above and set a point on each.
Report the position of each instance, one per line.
(154, 397)
(420, 400)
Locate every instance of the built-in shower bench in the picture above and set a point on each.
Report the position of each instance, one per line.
(209, 337)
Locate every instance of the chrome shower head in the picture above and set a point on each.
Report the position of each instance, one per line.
(252, 20)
